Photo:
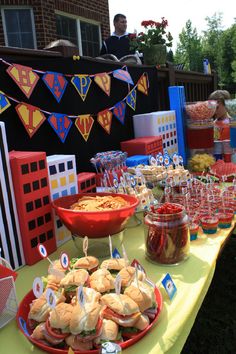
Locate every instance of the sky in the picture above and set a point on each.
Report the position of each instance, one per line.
(177, 12)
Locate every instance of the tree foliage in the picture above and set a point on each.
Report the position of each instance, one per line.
(215, 44)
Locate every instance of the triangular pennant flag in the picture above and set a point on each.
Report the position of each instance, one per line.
(103, 80)
(84, 125)
(24, 77)
(61, 124)
(56, 83)
(4, 102)
(31, 117)
(142, 84)
(119, 111)
(82, 84)
(104, 118)
(123, 75)
(131, 99)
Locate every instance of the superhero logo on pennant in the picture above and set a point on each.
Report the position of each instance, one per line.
(119, 111)
(4, 102)
(123, 75)
(24, 77)
(82, 84)
(103, 80)
(131, 99)
(56, 83)
(84, 125)
(143, 84)
(31, 117)
(104, 118)
(61, 125)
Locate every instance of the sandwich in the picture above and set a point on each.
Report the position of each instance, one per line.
(114, 265)
(120, 309)
(73, 342)
(85, 321)
(39, 309)
(73, 279)
(142, 294)
(109, 333)
(90, 295)
(57, 326)
(141, 324)
(127, 275)
(52, 281)
(89, 263)
(102, 281)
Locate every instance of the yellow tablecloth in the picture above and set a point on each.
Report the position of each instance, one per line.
(192, 279)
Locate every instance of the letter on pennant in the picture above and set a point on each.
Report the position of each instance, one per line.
(131, 99)
(103, 80)
(143, 84)
(123, 75)
(82, 84)
(104, 118)
(84, 125)
(24, 77)
(4, 102)
(119, 111)
(31, 117)
(56, 83)
(61, 124)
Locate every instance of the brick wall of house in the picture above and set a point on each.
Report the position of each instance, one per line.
(44, 16)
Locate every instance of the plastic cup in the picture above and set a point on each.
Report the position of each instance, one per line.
(193, 228)
(225, 216)
(209, 224)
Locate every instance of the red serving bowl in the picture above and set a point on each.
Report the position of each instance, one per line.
(94, 224)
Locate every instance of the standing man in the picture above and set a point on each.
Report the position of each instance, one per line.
(118, 43)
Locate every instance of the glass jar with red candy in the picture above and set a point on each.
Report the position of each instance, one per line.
(167, 235)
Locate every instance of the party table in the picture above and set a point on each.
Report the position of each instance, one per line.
(192, 279)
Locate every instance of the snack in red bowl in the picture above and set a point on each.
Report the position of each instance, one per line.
(95, 223)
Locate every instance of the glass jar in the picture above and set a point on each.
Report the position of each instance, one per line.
(167, 236)
(199, 134)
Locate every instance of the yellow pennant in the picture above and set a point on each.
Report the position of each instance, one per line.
(31, 117)
(84, 125)
(103, 80)
(71, 351)
(82, 84)
(104, 119)
(143, 84)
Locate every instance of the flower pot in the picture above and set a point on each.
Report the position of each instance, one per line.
(155, 55)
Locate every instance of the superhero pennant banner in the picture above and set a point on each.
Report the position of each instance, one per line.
(26, 78)
(33, 117)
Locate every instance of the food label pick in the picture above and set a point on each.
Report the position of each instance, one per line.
(139, 266)
(51, 298)
(118, 284)
(110, 246)
(42, 251)
(85, 245)
(115, 253)
(125, 255)
(169, 286)
(64, 259)
(37, 287)
(80, 295)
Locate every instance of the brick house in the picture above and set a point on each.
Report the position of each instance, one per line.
(35, 23)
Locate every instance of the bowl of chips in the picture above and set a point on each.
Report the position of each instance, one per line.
(95, 215)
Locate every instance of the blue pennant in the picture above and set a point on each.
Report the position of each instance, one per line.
(119, 111)
(61, 124)
(131, 99)
(4, 102)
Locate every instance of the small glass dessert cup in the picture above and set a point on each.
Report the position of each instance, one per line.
(225, 216)
(193, 228)
(209, 224)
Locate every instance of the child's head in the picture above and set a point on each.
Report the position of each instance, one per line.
(220, 96)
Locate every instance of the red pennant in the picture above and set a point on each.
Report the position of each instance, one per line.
(84, 124)
(104, 119)
(31, 117)
(24, 77)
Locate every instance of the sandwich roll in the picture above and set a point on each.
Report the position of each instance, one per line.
(114, 264)
(89, 263)
(60, 317)
(38, 331)
(120, 309)
(102, 281)
(142, 294)
(142, 322)
(110, 332)
(75, 277)
(73, 342)
(127, 275)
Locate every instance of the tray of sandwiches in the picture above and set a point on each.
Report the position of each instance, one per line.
(122, 317)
